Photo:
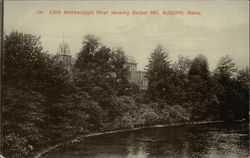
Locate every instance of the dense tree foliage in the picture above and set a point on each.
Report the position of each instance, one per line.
(189, 84)
(233, 93)
(118, 61)
(34, 88)
(201, 88)
(100, 72)
(44, 103)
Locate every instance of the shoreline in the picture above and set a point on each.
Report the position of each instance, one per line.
(78, 138)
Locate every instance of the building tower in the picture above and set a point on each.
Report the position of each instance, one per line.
(132, 68)
(134, 76)
(63, 55)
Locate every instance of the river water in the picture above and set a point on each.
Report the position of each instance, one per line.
(198, 141)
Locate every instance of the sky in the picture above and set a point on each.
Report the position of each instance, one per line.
(221, 27)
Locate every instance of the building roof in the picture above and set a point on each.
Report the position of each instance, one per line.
(130, 59)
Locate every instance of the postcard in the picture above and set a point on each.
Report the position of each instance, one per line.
(125, 79)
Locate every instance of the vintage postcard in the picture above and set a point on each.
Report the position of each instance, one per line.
(125, 79)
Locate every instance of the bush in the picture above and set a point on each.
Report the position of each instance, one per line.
(124, 121)
(16, 146)
(150, 117)
(174, 114)
(23, 120)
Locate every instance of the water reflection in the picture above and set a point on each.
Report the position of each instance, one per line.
(209, 141)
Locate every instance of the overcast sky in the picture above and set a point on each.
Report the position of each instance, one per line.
(222, 27)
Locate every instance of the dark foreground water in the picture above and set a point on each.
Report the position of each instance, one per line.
(206, 141)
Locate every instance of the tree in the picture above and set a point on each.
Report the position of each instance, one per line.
(82, 116)
(225, 68)
(183, 64)
(199, 67)
(96, 74)
(233, 93)
(158, 64)
(180, 79)
(243, 76)
(243, 90)
(23, 59)
(118, 61)
(91, 44)
(201, 89)
(33, 84)
(158, 71)
(23, 118)
(27, 66)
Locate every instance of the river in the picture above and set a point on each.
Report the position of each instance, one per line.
(218, 140)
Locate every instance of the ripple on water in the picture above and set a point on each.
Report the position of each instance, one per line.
(210, 141)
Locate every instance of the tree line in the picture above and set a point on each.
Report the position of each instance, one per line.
(44, 104)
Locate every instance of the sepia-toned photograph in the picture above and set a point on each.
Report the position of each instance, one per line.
(125, 79)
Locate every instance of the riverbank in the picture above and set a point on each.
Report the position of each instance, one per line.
(78, 138)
